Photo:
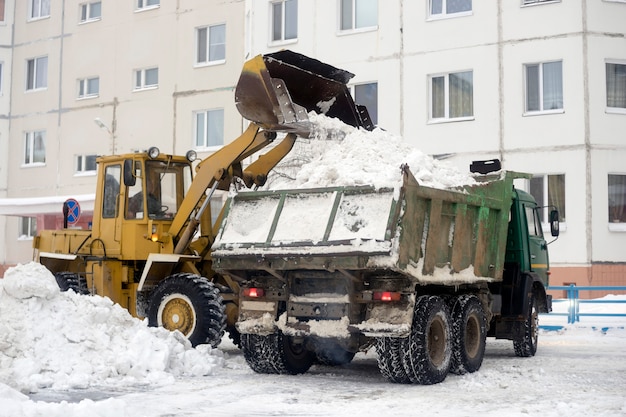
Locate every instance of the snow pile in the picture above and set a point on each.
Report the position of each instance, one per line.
(341, 155)
(63, 340)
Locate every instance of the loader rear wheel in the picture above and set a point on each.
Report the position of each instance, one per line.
(527, 332)
(276, 354)
(390, 353)
(428, 352)
(71, 281)
(469, 332)
(190, 304)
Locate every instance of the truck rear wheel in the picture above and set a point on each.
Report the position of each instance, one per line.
(428, 352)
(275, 354)
(469, 332)
(527, 333)
(390, 353)
(190, 304)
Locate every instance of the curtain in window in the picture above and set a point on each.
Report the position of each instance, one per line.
(461, 95)
(438, 98)
(616, 85)
(556, 193)
(617, 198)
(552, 85)
(532, 88)
(39, 147)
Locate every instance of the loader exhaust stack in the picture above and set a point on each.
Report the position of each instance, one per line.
(277, 91)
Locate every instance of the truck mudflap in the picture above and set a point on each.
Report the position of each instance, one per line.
(278, 90)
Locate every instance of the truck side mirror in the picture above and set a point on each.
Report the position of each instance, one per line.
(554, 223)
(129, 173)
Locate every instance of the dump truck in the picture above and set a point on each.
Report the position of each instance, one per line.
(421, 273)
(149, 245)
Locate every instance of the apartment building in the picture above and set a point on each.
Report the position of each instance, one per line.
(539, 84)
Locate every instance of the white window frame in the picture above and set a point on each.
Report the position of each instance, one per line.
(537, 2)
(31, 226)
(282, 23)
(81, 168)
(353, 25)
(204, 145)
(85, 88)
(541, 89)
(446, 118)
(86, 11)
(444, 14)
(141, 5)
(29, 148)
(373, 113)
(38, 9)
(39, 80)
(206, 40)
(619, 110)
(139, 79)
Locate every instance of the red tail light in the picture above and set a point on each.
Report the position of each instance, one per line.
(253, 292)
(386, 296)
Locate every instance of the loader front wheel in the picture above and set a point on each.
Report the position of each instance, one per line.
(190, 304)
(71, 281)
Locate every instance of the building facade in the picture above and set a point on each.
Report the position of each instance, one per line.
(541, 85)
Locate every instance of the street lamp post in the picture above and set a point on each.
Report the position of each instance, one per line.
(111, 132)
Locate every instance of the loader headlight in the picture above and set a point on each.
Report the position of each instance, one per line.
(153, 152)
(191, 155)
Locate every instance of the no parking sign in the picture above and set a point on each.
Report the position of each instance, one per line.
(71, 210)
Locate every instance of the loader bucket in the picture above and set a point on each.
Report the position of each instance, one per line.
(278, 90)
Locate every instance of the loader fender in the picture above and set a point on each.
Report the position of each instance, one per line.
(162, 265)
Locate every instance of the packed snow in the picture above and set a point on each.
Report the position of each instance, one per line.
(65, 355)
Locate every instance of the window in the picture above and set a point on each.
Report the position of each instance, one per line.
(39, 9)
(89, 87)
(367, 95)
(284, 20)
(358, 14)
(85, 164)
(35, 148)
(452, 96)
(28, 227)
(37, 73)
(617, 198)
(533, 222)
(549, 192)
(616, 86)
(1, 75)
(211, 41)
(2, 10)
(544, 86)
(449, 8)
(110, 198)
(209, 128)
(90, 11)
(147, 4)
(146, 78)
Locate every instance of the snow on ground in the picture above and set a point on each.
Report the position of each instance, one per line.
(67, 355)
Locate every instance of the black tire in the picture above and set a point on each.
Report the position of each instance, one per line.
(469, 333)
(390, 353)
(190, 304)
(526, 336)
(275, 354)
(234, 335)
(330, 353)
(71, 281)
(428, 352)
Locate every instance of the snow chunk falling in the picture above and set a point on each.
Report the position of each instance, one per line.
(62, 340)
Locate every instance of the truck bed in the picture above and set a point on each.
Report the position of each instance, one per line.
(429, 235)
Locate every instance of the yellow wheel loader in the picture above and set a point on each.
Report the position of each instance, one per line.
(149, 247)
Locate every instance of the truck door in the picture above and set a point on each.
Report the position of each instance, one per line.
(538, 249)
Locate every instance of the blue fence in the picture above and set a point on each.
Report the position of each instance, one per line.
(573, 309)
